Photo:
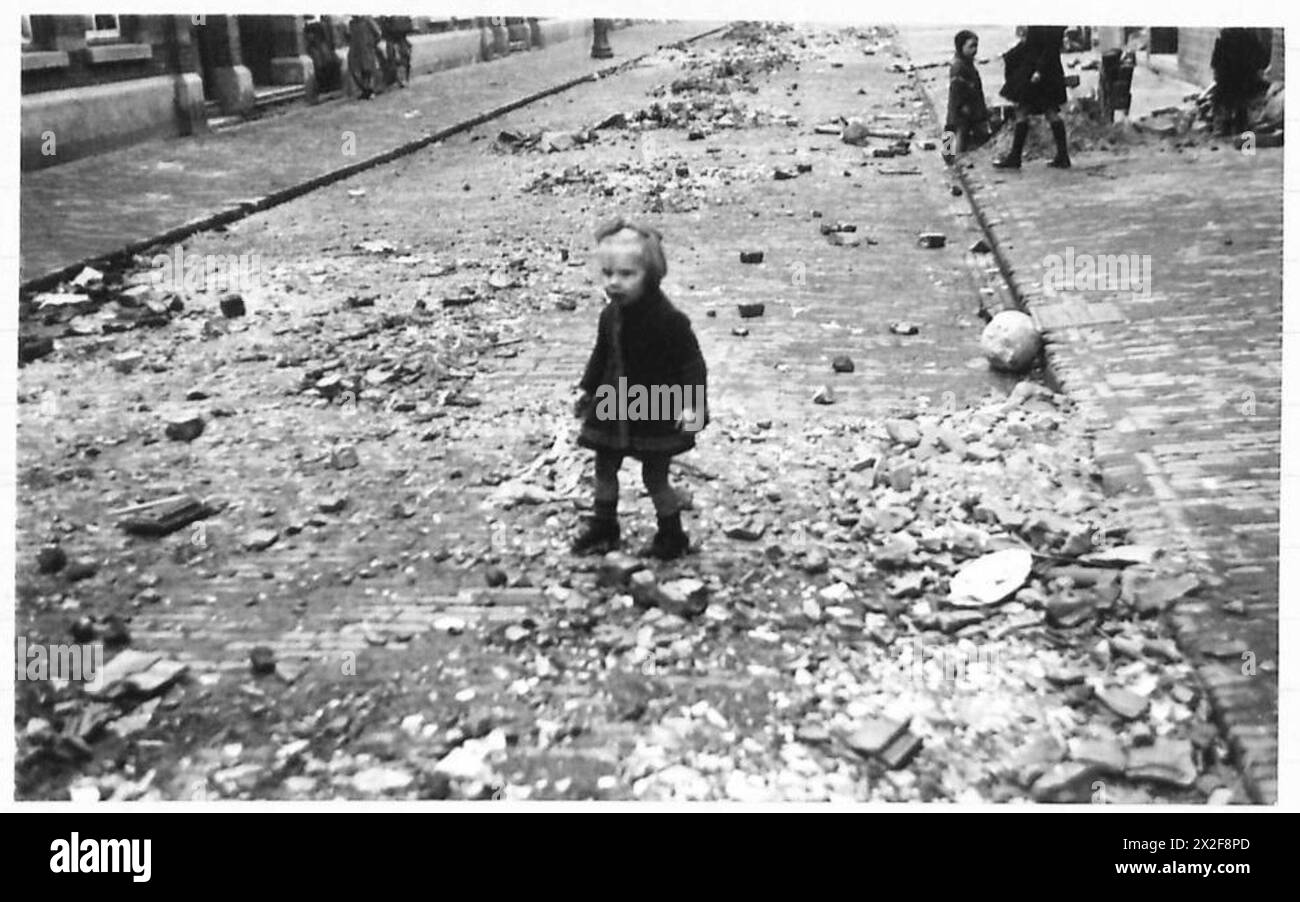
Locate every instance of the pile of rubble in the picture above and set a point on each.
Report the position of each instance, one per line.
(662, 184)
(756, 34)
(703, 99)
(116, 706)
(701, 115)
(1086, 134)
(543, 140)
(1186, 126)
(93, 303)
(940, 604)
(949, 592)
(726, 71)
(1265, 115)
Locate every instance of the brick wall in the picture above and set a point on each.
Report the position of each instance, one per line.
(1196, 45)
(1277, 65)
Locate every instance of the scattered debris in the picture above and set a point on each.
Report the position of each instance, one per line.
(163, 516)
(184, 427)
(991, 578)
(232, 305)
(872, 737)
(824, 395)
(262, 660)
(51, 559)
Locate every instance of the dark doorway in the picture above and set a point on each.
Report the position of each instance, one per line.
(204, 39)
(1164, 40)
(255, 44)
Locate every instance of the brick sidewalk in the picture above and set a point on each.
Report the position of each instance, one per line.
(97, 206)
(1183, 385)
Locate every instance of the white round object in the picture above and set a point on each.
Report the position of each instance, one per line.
(1010, 341)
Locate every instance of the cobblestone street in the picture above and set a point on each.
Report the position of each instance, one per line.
(387, 451)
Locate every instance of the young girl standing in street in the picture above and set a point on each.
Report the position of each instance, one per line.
(643, 391)
(968, 115)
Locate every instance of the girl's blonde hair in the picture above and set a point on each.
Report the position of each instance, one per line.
(652, 251)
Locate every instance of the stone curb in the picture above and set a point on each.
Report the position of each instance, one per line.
(246, 208)
(1254, 751)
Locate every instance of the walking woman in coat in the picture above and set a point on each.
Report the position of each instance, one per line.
(1036, 85)
(968, 116)
(1236, 62)
(363, 55)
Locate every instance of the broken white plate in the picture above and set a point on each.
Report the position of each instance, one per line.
(991, 578)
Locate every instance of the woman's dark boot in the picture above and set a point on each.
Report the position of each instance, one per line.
(1012, 160)
(601, 534)
(1062, 158)
(669, 541)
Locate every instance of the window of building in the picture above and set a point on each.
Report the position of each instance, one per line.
(103, 27)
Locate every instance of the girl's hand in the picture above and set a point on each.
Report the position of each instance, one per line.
(689, 421)
(581, 405)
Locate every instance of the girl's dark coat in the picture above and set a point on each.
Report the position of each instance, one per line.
(651, 343)
(1039, 52)
(1238, 57)
(966, 107)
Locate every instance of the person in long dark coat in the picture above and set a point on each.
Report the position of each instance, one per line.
(320, 47)
(1035, 83)
(645, 349)
(1238, 57)
(363, 55)
(396, 60)
(968, 114)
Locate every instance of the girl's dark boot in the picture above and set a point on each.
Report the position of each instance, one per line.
(1012, 160)
(1062, 158)
(669, 541)
(601, 533)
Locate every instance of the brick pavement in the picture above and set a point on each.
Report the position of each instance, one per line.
(99, 205)
(1183, 386)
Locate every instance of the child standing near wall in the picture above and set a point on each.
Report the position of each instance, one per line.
(968, 115)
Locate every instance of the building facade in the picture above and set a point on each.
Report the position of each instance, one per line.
(1192, 48)
(92, 83)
